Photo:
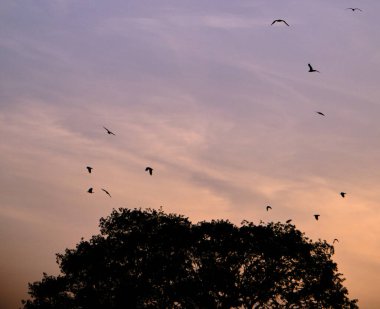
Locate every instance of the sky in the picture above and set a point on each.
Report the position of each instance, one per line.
(208, 93)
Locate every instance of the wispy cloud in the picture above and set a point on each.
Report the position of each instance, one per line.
(215, 99)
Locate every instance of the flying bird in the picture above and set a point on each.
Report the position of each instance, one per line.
(150, 170)
(106, 192)
(335, 240)
(108, 131)
(343, 194)
(288, 221)
(354, 9)
(311, 68)
(91, 190)
(268, 207)
(320, 113)
(279, 21)
(316, 217)
(89, 168)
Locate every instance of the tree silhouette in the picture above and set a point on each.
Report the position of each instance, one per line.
(150, 259)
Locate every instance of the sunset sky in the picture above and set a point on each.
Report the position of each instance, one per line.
(208, 93)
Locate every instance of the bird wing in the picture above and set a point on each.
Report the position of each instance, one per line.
(108, 131)
(310, 67)
(273, 22)
(285, 23)
(106, 192)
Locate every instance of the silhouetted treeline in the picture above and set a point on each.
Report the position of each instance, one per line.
(150, 259)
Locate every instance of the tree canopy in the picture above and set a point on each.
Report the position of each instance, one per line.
(151, 259)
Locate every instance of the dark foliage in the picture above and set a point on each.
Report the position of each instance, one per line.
(150, 259)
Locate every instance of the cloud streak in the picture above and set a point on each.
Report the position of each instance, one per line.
(216, 100)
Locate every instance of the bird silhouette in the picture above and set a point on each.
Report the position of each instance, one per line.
(343, 194)
(149, 169)
(311, 68)
(91, 190)
(335, 240)
(320, 113)
(288, 221)
(89, 168)
(106, 192)
(279, 21)
(268, 207)
(108, 131)
(354, 9)
(316, 217)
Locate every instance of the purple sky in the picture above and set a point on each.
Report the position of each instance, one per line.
(211, 96)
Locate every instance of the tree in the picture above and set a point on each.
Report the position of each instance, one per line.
(150, 259)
